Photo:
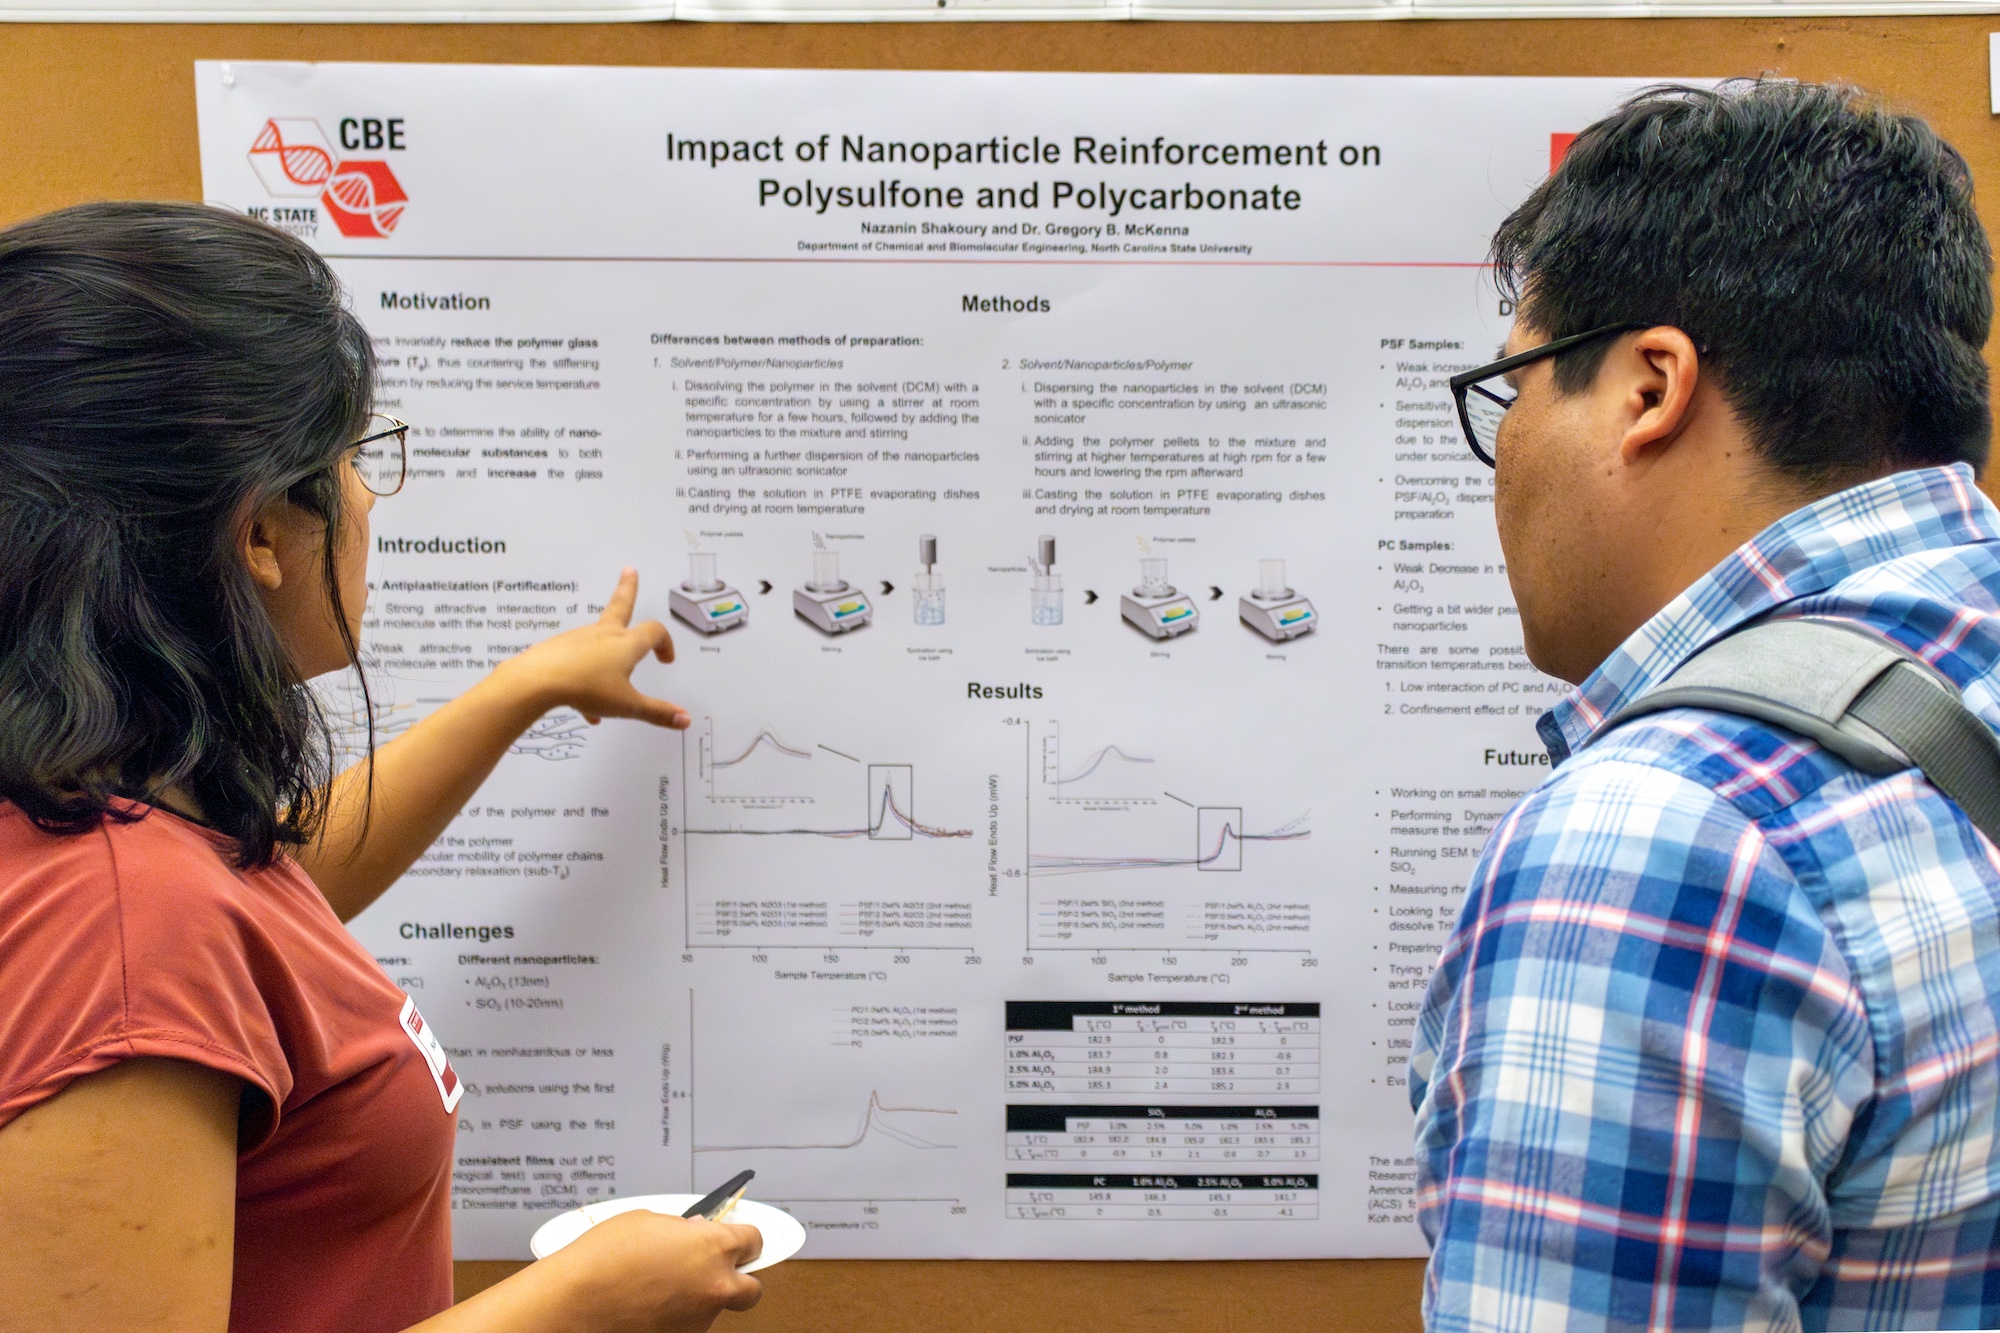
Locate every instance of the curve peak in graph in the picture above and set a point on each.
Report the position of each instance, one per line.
(764, 737)
(871, 1123)
(1042, 864)
(1091, 764)
(886, 814)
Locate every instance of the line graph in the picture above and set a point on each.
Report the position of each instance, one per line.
(871, 1124)
(793, 831)
(1091, 764)
(766, 773)
(887, 817)
(849, 1133)
(1219, 831)
(1213, 852)
(1126, 846)
(1115, 768)
(765, 737)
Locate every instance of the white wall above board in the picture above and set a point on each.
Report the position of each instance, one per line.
(864, 11)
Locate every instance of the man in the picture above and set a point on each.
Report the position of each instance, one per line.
(1714, 1044)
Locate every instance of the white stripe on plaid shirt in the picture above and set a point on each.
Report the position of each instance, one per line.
(1714, 1042)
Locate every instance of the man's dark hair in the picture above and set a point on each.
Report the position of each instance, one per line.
(165, 371)
(1821, 252)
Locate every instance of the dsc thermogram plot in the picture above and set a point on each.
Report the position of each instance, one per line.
(919, 1127)
(837, 1131)
(794, 840)
(1122, 839)
(795, 778)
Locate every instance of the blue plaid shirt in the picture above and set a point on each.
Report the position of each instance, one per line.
(1714, 1042)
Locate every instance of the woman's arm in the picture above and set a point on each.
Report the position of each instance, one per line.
(120, 1213)
(425, 777)
(120, 1203)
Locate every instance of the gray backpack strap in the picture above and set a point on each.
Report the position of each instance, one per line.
(1860, 695)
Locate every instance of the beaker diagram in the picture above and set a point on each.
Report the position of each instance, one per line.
(1274, 610)
(927, 589)
(828, 602)
(705, 601)
(1156, 607)
(1045, 593)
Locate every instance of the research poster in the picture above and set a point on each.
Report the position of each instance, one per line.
(1101, 659)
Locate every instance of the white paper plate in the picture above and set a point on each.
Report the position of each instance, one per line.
(783, 1236)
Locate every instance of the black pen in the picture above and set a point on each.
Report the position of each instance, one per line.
(713, 1206)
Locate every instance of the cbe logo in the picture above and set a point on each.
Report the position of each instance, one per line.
(294, 159)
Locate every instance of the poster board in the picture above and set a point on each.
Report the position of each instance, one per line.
(938, 11)
(107, 111)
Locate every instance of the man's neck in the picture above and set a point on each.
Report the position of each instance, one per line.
(1684, 523)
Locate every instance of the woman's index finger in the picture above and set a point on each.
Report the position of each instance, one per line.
(618, 611)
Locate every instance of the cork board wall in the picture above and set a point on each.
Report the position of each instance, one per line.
(96, 111)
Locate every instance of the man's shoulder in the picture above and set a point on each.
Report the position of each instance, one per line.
(1943, 605)
(1636, 819)
(1960, 572)
(1707, 757)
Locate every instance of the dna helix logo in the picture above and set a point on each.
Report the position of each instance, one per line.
(364, 198)
(294, 159)
(291, 157)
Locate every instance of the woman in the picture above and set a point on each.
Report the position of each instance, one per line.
(210, 1114)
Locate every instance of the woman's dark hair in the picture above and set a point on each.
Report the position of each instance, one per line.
(1822, 252)
(165, 371)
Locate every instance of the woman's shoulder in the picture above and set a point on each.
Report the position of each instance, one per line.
(141, 937)
(153, 896)
(133, 847)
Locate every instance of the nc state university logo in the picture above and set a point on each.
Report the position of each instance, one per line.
(435, 1059)
(295, 160)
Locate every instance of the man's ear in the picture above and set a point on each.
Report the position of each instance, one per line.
(1661, 369)
(258, 548)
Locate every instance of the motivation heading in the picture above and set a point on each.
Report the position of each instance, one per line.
(1004, 150)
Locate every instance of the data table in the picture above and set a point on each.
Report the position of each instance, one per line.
(1231, 1137)
(1162, 1198)
(1169, 1048)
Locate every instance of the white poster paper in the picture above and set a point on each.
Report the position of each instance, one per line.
(1102, 664)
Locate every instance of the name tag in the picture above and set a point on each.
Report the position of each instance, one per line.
(427, 1044)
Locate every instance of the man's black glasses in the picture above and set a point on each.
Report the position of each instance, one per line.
(1482, 406)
